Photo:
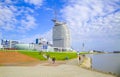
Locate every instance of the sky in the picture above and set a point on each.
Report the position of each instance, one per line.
(96, 23)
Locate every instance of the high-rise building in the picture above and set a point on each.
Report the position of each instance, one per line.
(61, 36)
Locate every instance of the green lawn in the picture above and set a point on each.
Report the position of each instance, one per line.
(62, 55)
(33, 54)
(57, 55)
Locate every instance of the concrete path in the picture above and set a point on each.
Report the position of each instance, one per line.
(70, 69)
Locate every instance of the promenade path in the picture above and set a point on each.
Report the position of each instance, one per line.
(47, 69)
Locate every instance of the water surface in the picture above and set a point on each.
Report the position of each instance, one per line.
(106, 62)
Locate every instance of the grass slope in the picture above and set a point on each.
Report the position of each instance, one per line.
(62, 55)
(33, 54)
(57, 55)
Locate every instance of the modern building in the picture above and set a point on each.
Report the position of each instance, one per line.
(40, 45)
(23, 46)
(43, 44)
(61, 36)
(41, 41)
(8, 43)
(1, 46)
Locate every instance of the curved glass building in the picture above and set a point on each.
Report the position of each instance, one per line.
(61, 36)
(25, 46)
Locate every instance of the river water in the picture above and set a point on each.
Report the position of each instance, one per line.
(106, 62)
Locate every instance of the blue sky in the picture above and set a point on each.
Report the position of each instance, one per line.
(96, 23)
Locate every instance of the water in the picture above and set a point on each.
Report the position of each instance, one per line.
(106, 62)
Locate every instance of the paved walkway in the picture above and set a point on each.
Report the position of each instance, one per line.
(69, 69)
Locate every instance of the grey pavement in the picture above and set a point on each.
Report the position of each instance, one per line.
(63, 70)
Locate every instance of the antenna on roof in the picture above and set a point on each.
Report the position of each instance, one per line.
(55, 12)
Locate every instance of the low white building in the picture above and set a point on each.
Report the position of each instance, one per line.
(1, 46)
(33, 47)
(8, 43)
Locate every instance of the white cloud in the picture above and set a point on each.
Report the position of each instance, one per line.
(8, 1)
(28, 23)
(16, 18)
(95, 22)
(7, 18)
(0, 35)
(46, 35)
(92, 18)
(34, 2)
(28, 39)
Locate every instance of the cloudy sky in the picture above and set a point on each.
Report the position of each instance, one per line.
(96, 23)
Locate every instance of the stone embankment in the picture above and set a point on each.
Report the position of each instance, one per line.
(86, 62)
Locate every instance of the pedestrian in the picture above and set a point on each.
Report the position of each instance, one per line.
(40, 53)
(79, 58)
(48, 56)
(66, 58)
(53, 60)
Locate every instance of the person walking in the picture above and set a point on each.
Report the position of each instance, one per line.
(79, 58)
(48, 56)
(53, 60)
